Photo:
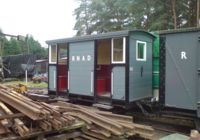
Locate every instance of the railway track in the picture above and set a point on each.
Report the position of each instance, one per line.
(166, 124)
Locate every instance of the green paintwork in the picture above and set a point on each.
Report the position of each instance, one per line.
(155, 72)
(156, 44)
(156, 54)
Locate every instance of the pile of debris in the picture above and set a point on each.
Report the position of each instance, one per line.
(20, 88)
(20, 115)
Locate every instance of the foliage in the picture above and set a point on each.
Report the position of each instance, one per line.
(82, 16)
(97, 16)
(34, 47)
(13, 46)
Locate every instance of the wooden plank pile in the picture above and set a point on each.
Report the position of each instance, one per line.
(105, 125)
(22, 116)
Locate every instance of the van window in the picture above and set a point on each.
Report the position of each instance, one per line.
(118, 50)
(141, 51)
(53, 54)
(62, 54)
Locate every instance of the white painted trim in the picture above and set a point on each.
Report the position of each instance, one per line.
(124, 52)
(112, 50)
(156, 72)
(49, 54)
(54, 79)
(92, 80)
(112, 80)
(50, 49)
(145, 51)
(68, 80)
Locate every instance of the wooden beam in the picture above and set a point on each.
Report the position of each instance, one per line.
(65, 136)
(12, 116)
(30, 111)
(18, 126)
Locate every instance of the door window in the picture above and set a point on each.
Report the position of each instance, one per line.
(118, 50)
(141, 52)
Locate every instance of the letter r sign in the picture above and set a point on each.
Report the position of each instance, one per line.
(183, 55)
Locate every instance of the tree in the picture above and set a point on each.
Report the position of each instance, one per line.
(198, 13)
(34, 47)
(173, 3)
(11, 47)
(191, 13)
(83, 16)
(14, 47)
(94, 16)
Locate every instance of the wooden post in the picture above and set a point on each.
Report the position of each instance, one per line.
(1, 59)
(26, 77)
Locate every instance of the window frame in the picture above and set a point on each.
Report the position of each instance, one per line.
(59, 58)
(145, 50)
(124, 51)
(50, 56)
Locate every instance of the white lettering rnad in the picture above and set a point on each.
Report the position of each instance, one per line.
(81, 58)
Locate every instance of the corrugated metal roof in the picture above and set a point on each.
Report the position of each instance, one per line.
(172, 31)
(94, 37)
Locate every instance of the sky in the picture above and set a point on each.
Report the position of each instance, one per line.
(43, 19)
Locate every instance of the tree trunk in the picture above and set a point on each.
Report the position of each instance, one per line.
(198, 12)
(174, 13)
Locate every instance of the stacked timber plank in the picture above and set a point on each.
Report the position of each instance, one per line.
(27, 116)
(23, 116)
(105, 125)
(23, 104)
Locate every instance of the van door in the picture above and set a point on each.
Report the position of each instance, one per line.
(81, 68)
(118, 83)
(140, 69)
(181, 70)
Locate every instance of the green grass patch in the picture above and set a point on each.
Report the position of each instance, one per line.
(29, 84)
